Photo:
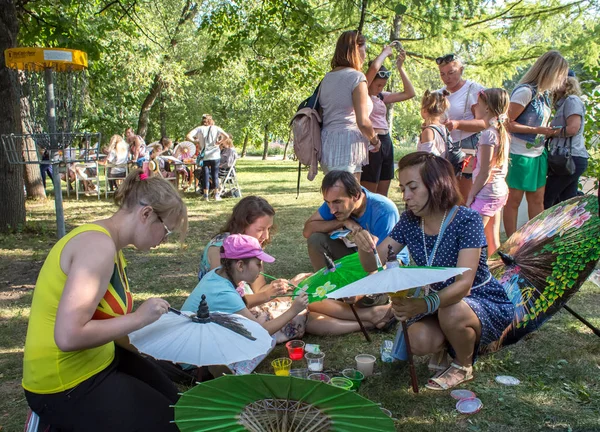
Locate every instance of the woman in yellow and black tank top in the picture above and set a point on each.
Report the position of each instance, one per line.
(76, 376)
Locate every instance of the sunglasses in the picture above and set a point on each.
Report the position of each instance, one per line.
(446, 59)
(384, 74)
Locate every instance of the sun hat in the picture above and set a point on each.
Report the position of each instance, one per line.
(241, 246)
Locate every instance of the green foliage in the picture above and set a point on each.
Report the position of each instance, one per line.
(251, 62)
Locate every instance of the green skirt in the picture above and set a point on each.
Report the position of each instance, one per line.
(527, 173)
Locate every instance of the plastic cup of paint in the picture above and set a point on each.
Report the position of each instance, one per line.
(315, 361)
(365, 364)
(281, 366)
(299, 373)
(295, 349)
(355, 376)
(341, 382)
(319, 377)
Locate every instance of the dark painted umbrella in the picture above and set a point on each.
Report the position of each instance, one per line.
(545, 262)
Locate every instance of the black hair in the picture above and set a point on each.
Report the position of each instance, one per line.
(348, 181)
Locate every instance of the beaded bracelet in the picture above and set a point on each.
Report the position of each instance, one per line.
(433, 302)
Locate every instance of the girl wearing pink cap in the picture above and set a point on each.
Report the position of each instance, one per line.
(241, 262)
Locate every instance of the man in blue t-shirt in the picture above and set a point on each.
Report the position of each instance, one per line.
(347, 206)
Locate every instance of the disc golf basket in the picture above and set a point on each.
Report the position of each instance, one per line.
(51, 85)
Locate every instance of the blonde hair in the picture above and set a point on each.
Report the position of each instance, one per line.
(114, 140)
(155, 192)
(571, 88)
(435, 103)
(547, 73)
(497, 101)
(347, 50)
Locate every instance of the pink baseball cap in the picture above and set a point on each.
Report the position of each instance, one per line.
(240, 246)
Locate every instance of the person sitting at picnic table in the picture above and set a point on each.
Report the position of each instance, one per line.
(137, 147)
(254, 216)
(463, 313)
(79, 371)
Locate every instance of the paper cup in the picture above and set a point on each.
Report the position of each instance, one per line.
(365, 364)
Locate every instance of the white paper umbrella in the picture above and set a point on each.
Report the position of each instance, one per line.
(171, 159)
(186, 148)
(396, 279)
(210, 339)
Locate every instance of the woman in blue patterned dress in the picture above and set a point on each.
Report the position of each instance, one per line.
(462, 313)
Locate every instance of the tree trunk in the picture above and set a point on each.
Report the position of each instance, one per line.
(394, 35)
(33, 176)
(157, 85)
(163, 116)
(245, 143)
(12, 210)
(287, 143)
(363, 12)
(266, 142)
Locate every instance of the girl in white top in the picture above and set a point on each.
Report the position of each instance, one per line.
(344, 99)
(433, 137)
(490, 191)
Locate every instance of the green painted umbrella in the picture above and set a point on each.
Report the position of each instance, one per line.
(335, 276)
(269, 403)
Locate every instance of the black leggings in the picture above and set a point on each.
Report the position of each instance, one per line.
(560, 188)
(131, 394)
(213, 167)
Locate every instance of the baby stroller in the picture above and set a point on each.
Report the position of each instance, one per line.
(228, 183)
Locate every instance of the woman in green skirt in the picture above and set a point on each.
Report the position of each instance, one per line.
(529, 112)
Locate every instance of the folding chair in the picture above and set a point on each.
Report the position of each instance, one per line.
(81, 175)
(110, 176)
(228, 182)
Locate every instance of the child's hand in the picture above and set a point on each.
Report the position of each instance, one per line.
(276, 288)
(400, 59)
(387, 50)
(300, 303)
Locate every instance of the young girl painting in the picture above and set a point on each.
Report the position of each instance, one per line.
(433, 137)
(490, 192)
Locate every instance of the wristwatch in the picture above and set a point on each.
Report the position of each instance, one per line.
(375, 140)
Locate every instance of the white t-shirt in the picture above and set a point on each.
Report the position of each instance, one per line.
(207, 136)
(522, 96)
(336, 98)
(466, 95)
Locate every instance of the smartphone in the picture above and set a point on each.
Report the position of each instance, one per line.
(557, 127)
(398, 45)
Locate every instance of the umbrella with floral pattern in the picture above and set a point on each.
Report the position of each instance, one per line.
(545, 262)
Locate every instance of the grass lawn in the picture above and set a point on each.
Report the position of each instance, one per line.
(559, 366)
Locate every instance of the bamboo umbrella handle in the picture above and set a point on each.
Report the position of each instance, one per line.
(362, 327)
(411, 363)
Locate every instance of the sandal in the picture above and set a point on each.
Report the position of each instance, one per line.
(439, 383)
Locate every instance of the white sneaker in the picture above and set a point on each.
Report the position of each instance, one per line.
(205, 198)
(218, 197)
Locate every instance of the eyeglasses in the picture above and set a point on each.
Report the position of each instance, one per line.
(384, 74)
(168, 232)
(446, 59)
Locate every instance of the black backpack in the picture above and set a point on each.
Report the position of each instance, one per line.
(454, 153)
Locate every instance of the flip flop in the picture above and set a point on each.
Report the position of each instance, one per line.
(438, 384)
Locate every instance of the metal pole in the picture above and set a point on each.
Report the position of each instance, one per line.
(51, 117)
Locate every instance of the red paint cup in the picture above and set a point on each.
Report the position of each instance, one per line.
(295, 349)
